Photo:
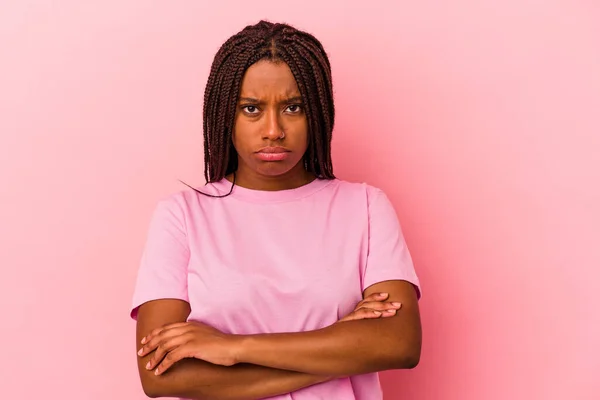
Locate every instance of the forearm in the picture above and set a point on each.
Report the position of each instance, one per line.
(345, 349)
(195, 379)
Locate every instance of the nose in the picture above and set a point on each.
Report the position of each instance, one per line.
(272, 130)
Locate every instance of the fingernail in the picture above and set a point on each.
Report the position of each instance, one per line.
(156, 371)
(141, 351)
(377, 312)
(396, 304)
(391, 311)
(383, 294)
(144, 340)
(148, 365)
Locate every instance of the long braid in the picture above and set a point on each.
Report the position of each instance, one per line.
(311, 68)
(321, 71)
(309, 96)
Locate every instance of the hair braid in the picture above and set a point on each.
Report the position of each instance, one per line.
(322, 96)
(308, 93)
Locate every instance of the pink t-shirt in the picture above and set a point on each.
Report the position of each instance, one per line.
(280, 261)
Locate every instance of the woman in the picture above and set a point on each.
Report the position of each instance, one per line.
(276, 280)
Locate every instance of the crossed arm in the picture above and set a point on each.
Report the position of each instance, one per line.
(272, 364)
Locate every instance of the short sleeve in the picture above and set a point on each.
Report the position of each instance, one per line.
(162, 271)
(388, 257)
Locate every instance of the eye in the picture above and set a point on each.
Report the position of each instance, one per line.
(294, 108)
(250, 109)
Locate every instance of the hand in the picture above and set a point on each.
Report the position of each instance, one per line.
(174, 342)
(372, 307)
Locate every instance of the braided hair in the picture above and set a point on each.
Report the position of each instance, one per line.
(309, 64)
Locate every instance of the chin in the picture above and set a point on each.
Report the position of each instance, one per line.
(274, 169)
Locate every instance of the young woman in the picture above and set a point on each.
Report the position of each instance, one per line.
(274, 280)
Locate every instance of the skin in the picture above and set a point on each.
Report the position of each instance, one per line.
(196, 379)
(322, 352)
(270, 103)
(193, 360)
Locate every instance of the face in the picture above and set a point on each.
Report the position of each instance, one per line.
(271, 132)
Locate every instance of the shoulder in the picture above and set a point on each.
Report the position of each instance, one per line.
(175, 201)
(372, 199)
(189, 197)
(189, 204)
(175, 206)
(362, 189)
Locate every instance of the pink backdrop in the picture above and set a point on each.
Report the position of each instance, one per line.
(480, 119)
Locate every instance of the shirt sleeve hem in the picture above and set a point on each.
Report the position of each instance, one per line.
(414, 281)
(136, 304)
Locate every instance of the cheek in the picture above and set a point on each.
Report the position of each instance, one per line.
(300, 132)
(305, 140)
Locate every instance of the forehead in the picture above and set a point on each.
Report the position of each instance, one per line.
(268, 78)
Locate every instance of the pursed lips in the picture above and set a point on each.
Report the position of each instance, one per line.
(273, 153)
(273, 149)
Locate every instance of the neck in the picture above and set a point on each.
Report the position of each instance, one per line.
(292, 179)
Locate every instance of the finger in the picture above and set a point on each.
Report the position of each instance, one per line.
(164, 348)
(388, 313)
(171, 358)
(152, 334)
(376, 296)
(363, 313)
(157, 331)
(373, 297)
(165, 334)
(381, 306)
(371, 310)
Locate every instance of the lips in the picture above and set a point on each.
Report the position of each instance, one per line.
(273, 149)
(272, 153)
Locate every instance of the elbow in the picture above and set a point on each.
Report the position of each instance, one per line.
(162, 386)
(153, 386)
(408, 357)
(406, 360)
(151, 389)
(151, 394)
(411, 354)
(411, 361)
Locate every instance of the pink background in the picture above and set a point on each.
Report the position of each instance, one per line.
(480, 119)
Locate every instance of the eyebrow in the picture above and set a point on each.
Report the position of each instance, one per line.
(256, 101)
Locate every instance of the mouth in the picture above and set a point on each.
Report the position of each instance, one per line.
(272, 153)
(273, 150)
